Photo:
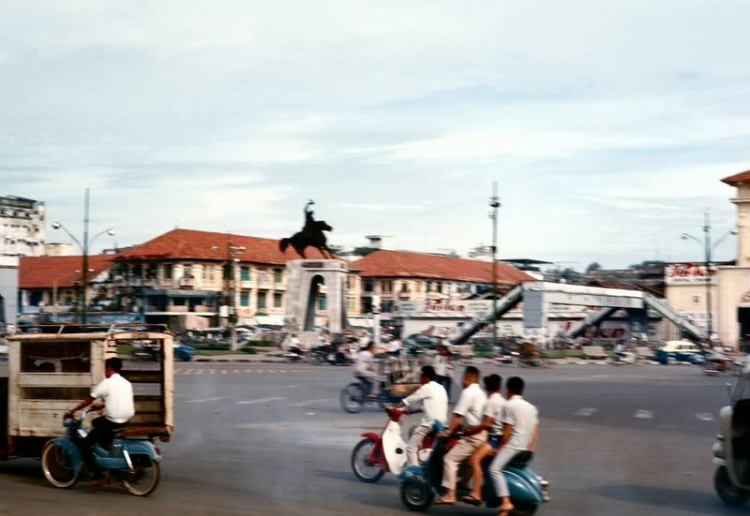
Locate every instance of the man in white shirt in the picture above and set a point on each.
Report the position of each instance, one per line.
(468, 412)
(492, 423)
(119, 408)
(365, 369)
(520, 433)
(434, 402)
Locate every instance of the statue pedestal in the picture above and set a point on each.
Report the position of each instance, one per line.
(304, 283)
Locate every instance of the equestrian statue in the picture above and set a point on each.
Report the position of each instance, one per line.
(312, 235)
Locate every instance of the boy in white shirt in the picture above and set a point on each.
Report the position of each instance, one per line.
(434, 402)
(493, 410)
(520, 433)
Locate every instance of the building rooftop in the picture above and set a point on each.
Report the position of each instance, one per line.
(60, 271)
(737, 178)
(189, 244)
(406, 264)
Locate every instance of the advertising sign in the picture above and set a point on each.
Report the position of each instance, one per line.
(469, 308)
(690, 274)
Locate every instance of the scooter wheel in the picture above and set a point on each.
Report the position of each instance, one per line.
(364, 471)
(352, 399)
(416, 496)
(727, 491)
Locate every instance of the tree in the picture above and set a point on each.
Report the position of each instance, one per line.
(594, 266)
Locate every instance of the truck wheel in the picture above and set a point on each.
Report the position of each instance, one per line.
(727, 491)
(416, 496)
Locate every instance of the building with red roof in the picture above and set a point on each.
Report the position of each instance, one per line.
(411, 276)
(46, 282)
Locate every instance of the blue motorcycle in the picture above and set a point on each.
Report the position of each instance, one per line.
(134, 463)
(528, 491)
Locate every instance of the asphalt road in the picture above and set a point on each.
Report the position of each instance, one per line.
(272, 439)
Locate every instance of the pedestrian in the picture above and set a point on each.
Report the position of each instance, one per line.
(520, 432)
(432, 398)
(468, 412)
(443, 364)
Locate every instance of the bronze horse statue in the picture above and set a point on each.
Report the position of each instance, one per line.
(312, 235)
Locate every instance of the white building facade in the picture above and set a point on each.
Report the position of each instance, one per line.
(22, 227)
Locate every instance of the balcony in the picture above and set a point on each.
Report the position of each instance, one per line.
(188, 282)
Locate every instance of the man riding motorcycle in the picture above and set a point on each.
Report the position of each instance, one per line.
(119, 408)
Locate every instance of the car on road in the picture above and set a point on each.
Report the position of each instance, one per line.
(183, 352)
(679, 351)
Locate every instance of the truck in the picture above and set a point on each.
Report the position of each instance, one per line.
(53, 368)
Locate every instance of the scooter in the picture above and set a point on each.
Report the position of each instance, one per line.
(528, 491)
(134, 463)
(375, 455)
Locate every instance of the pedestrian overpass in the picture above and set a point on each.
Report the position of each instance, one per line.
(538, 296)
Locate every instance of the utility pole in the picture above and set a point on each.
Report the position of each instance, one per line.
(707, 256)
(494, 204)
(85, 270)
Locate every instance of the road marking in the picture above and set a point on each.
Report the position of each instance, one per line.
(206, 400)
(224, 371)
(705, 416)
(311, 402)
(643, 414)
(585, 412)
(212, 371)
(261, 400)
(199, 371)
(236, 371)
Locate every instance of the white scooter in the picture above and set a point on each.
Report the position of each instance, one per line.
(375, 455)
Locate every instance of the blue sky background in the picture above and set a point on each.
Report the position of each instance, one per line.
(607, 125)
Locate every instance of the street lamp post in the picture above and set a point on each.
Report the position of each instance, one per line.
(708, 249)
(230, 291)
(494, 204)
(84, 246)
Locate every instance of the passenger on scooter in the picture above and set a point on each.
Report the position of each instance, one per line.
(365, 370)
(119, 408)
(493, 410)
(520, 432)
(468, 412)
(434, 402)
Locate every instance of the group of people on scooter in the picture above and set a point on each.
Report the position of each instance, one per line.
(488, 425)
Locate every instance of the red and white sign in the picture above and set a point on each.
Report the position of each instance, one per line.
(691, 274)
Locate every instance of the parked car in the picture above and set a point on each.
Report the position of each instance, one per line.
(679, 351)
(183, 352)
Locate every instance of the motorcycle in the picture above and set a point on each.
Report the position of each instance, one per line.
(134, 463)
(528, 491)
(732, 449)
(375, 455)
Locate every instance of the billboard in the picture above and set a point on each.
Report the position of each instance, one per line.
(691, 274)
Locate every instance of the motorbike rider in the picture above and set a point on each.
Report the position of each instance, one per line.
(520, 432)
(365, 369)
(434, 402)
(119, 408)
(492, 412)
(468, 411)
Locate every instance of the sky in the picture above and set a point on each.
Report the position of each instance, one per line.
(607, 125)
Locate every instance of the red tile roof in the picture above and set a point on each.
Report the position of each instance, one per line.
(189, 244)
(60, 271)
(405, 264)
(737, 178)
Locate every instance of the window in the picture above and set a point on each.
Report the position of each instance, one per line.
(245, 273)
(429, 287)
(244, 298)
(261, 300)
(278, 275)
(368, 286)
(438, 287)
(278, 299)
(322, 302)
(696, 299)
(227, 272)
(168, 271)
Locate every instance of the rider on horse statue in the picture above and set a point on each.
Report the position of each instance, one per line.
(312, 235)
